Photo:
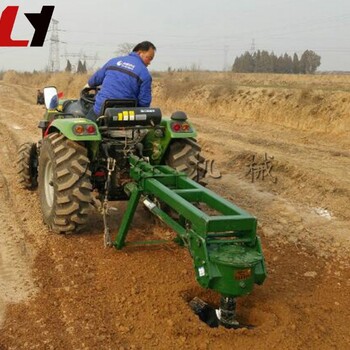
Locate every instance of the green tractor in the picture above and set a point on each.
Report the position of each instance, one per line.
(130, 154)
(75, 155)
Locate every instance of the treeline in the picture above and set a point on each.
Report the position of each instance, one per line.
(81, 68)
(265, 62)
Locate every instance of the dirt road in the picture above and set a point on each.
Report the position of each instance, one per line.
(68, 292)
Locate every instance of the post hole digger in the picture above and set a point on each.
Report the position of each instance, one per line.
(133, 154)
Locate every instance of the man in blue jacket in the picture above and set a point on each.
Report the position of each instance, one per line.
(124, 77)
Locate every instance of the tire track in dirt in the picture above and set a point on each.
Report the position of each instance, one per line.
(19, 208)
(24, 94)
(17, 256)
(15, 269)
(15, 278)
(18, 114)
(327, 159)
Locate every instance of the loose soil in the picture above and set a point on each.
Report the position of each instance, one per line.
(69, 292)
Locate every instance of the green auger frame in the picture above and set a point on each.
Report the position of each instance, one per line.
(226, 251)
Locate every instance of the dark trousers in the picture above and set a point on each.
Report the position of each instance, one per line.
(91, 115)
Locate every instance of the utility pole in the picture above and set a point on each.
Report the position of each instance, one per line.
(54, 55)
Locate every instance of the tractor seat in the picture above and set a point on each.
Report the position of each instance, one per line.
(118, 103)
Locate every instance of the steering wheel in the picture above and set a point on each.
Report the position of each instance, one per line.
(88, 94)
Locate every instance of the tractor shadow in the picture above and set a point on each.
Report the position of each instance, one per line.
(144, 225)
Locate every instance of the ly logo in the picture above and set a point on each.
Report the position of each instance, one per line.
(40, 22)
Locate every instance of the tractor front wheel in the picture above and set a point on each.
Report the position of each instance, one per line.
(64, 184)
(27, 166)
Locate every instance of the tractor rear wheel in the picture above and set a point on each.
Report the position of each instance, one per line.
(64, 184)
(184, 155)
(27, 165)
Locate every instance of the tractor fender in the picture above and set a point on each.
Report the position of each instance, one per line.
(158, 146)
(170, 133)
(69, 126)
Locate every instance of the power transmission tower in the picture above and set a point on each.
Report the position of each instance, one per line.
(252, 46)
(54, 55)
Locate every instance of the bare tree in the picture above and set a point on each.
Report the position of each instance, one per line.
(124, 49)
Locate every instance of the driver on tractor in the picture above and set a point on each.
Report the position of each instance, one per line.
(124, 77)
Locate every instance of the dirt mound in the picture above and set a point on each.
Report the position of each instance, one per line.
(313, 107)
(69, 84)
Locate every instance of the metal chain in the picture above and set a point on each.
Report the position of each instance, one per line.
(107, 237)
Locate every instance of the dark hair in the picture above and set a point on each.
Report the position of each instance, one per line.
(144, 46)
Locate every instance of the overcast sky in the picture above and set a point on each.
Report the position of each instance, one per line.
(187, 33)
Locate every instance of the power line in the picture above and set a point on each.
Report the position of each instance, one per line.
(82, 57)
(54, 54)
